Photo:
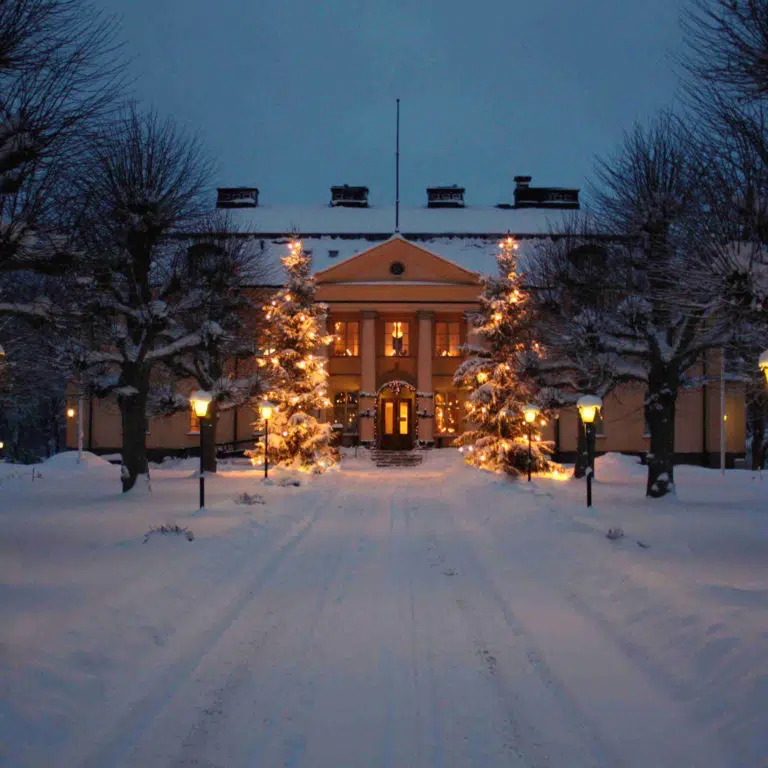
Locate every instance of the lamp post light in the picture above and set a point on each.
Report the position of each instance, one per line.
(200, 401)
(763, 363)
(588, 406)
(71, 412)
(265, 409)
(530, 412)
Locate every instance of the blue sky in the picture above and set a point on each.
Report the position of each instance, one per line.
(293, 96)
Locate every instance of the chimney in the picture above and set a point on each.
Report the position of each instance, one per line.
(237, 197)
(551, 198)
(445, 197)
(346, 196)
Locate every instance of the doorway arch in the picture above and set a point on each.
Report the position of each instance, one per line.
(396, 421)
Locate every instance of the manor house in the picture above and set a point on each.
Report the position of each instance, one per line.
(400, 307)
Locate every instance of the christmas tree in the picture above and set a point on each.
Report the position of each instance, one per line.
(496, 375)
(297, 375)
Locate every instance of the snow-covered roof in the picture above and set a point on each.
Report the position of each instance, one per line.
(467, 237)
(476, 254)
(327, 220)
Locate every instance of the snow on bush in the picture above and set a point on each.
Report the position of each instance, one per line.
(170, 530)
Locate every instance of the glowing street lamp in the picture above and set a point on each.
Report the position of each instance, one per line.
(265, 409)
(589, 406)
(200, 402)
(71, 412)
(530, 412)
(763, 363)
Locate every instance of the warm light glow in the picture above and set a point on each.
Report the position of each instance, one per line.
(2, 444)
(397, 330)
(763, 363)
(200, 401)
(265, 409)
(482, 377)
(530, 412)
(588, 414)
(589, 406)
(70, 413)
(556, 474)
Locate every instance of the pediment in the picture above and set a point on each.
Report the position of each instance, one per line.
(382, 264)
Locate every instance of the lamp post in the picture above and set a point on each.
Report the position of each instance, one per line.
(530, 412)
(200, 401)
(588, 406)
(265, 409)
(71, 415)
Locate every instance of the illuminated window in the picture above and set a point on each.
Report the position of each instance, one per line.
(345, 407)
(396, 339)
(346, 338)
(447, 413)
(194, 423)
(447, 339)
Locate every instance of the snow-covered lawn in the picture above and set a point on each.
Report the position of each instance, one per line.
(390, 617)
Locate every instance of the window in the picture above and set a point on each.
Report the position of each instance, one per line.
(600, 422)
(346, 338)
(447, 413)
(396, 339)
(345, 406)
(194, 423)
(447, 339)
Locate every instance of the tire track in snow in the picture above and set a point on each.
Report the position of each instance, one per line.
(526, 738)
(632, 724)
(143, 712)
(298, 713)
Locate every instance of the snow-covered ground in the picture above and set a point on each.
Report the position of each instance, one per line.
(434, 616)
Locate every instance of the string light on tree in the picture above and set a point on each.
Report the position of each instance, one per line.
(297, 376)
(497, 437)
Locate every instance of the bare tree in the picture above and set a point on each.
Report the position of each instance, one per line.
(727, 44)
(226, 271)
(577, 278)
(146, 183)
(59, 75)
(649, 195)
(734, 140)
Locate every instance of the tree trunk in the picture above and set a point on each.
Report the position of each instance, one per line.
(133, 415)
(209, 441)
(756, 421)
(582, 451)
(660, 406)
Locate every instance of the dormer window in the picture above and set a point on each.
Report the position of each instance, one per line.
(445, 197)
(237, 197)
(349, 197)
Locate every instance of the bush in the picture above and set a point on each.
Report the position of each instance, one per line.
(170, 530)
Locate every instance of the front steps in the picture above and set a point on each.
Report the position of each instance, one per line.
(396, 458)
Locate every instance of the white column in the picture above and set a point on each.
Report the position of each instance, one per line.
(367, 374)
(425, 401)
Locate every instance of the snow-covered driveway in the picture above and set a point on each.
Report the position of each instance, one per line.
(378, 618)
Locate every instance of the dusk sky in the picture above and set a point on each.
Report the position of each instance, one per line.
(294, 96)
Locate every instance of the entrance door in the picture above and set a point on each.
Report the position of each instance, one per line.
(395, 427)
